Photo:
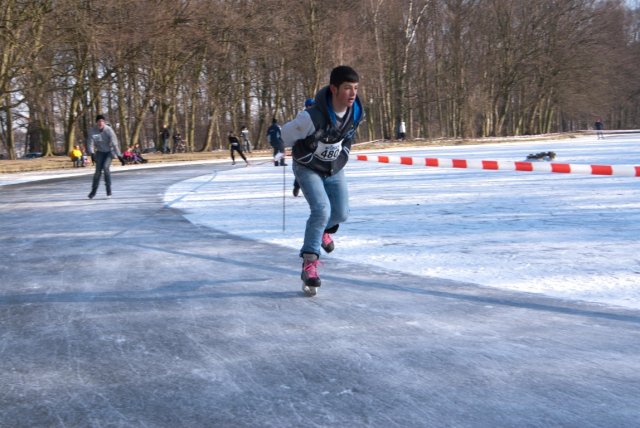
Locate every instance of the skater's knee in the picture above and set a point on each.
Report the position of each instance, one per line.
(320, 216)
(339, 216)
(321, 210)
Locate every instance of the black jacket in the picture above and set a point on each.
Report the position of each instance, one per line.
(327, 149)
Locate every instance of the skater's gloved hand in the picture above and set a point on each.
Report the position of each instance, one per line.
(278, 156)
(311, 142)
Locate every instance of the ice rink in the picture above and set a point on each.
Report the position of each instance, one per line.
(123, 313)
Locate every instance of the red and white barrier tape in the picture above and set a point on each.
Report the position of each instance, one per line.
(564, 168)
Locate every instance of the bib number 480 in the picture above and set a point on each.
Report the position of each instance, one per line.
(328, 152)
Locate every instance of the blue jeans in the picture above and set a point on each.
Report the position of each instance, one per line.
(103, 163)
(328, 199)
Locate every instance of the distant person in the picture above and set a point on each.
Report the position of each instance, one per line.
(127, 155)
(177, 142)
(77, 157)
(102, 143)
(234, 146)
(321, 138)
(244, 133)
(402, 131)
(274, 135)
(164, 135)
(599, 126)
(86, 158)
(137, 154)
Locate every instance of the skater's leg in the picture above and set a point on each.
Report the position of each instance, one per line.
(107, 171)
(319, 205)
(95, 182)
(243, 156)
(309, 275)
(338, 193)
(99, 159)
(233, 159)
(281, 150)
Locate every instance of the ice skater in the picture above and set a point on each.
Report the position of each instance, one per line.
(599, 127)
(321, 138)
(274, 136)
(102, 143)
(244, 132)
(234, 146)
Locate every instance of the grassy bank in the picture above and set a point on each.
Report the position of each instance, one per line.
(64, 162)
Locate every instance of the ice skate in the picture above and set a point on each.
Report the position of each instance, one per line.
(309, 275)
(309, 291)
(327, 242)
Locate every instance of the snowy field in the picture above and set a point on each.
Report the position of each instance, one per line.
(571, 236)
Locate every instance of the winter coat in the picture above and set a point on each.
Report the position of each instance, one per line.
(233, 141)
(318, 143)
(75, 154)
(104, 140)
(274, 135)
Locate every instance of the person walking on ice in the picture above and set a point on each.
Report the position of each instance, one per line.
(102, 143)
(599, 126)
(234, 146)
(274, 136)
(321, 138)
(244, 132)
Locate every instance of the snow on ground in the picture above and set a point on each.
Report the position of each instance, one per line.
(26, 177)
(565, 235)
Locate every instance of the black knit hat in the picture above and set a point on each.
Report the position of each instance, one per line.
(100, 117)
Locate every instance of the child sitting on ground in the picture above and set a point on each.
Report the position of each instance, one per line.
(76, 156)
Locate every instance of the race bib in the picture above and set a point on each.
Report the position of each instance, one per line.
(97, 138)
(328, 152)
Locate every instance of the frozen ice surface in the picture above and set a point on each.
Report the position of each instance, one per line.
(570, 236)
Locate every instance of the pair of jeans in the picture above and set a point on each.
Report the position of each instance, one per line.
(328, 199)
(103, 163)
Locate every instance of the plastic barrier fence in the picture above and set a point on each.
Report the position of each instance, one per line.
(563, 168)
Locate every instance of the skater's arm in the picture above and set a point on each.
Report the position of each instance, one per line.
(115, 148)
(89, 144)
(297, 129)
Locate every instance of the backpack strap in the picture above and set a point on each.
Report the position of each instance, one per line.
(318, 119)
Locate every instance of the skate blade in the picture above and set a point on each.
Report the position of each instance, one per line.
(309, 291)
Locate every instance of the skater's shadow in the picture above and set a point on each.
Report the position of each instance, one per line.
(473, 293)
(168, 293)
